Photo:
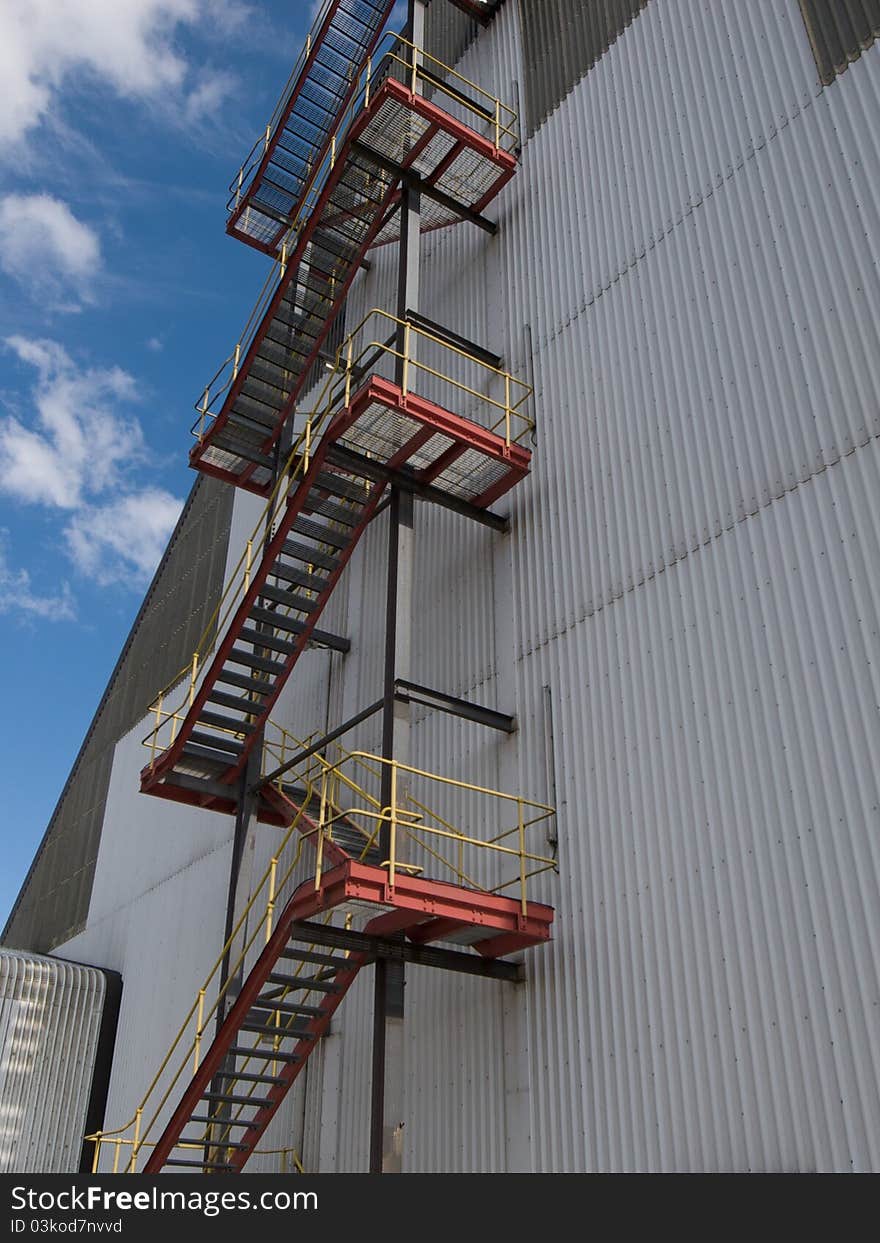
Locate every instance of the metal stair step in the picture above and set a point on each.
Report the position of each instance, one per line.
(215, 1121)
(242, 449)
(310, 556)
(225, 722)
(281, 621)
(289, 599)
(270, 641)
(341, 485)
(218, 758)
(229, 1098)
(337, 513)
(231, 678)
(323, 534)
(247, 1076)
(201, 1165)
(292, 574)
(216, 743)
(236, 702)
(323, 960)
(240, 657)
(305, 982)
(268, 1005)
(282, 1033)
(276, 1055)
(220, 1143)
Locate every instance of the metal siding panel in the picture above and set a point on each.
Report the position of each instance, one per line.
(693, 571)
(50, 1018)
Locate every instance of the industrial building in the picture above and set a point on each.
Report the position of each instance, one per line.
(489, 780)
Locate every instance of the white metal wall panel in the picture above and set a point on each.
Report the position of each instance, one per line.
(692, 243)
(50, 1019)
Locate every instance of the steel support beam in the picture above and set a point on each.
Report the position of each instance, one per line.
(387, 1104)
(320, 744)
(413, 181)
(419, 955)
(454, 338)
(405, 481)
(412, 693)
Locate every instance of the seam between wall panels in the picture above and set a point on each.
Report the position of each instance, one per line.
(667, 232)
(616, 597)
(91, 924)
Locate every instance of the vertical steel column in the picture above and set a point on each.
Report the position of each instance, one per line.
(387, 1121)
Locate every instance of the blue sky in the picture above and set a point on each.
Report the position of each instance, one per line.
(120, 294)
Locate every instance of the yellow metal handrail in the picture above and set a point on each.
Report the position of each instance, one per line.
(501, 119)
(198, 1017)
(338, 795)
(411, 819)
(404, 345)
(486, 108)
(383, 335)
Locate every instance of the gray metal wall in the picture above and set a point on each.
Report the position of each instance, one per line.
(690, 586)
(54, 898)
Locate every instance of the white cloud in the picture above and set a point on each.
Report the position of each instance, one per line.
(81, 445)
(155, 344)
(206, 98)
(45, 248)
(77, 453)
(128, 45)
(123, 540)
(18, 596)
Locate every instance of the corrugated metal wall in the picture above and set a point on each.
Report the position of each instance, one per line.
(693, 242)
(687, 264)
(50, 1021)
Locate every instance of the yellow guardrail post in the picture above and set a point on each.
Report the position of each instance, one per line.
(159, 703)
(368, 83)
(407, 334)
(522, 855)
(507, 408)
(193, 678)
(270, 908)
(267, 137)
(248, 563)
(203, 410)
(200, 1019)
(236, 361)
(136, 1142)
(349, 356)
(320, 851)
(498, 123)
(392, 864)
(239, 186)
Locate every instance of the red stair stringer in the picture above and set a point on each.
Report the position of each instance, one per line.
(300, 906)
(153, 773)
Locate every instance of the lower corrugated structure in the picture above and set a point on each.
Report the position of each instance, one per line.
(52, 1019)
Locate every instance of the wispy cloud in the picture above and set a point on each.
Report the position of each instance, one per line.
(18, 597)
(78, 444)
(47, 250)
(77, 452)
(124, 539)
(130, 47)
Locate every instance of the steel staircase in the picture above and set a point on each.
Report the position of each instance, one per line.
(388, 133)
(267, 193)
(283, 1009)
(327, 494)
(277, 1015)
(362, 857)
